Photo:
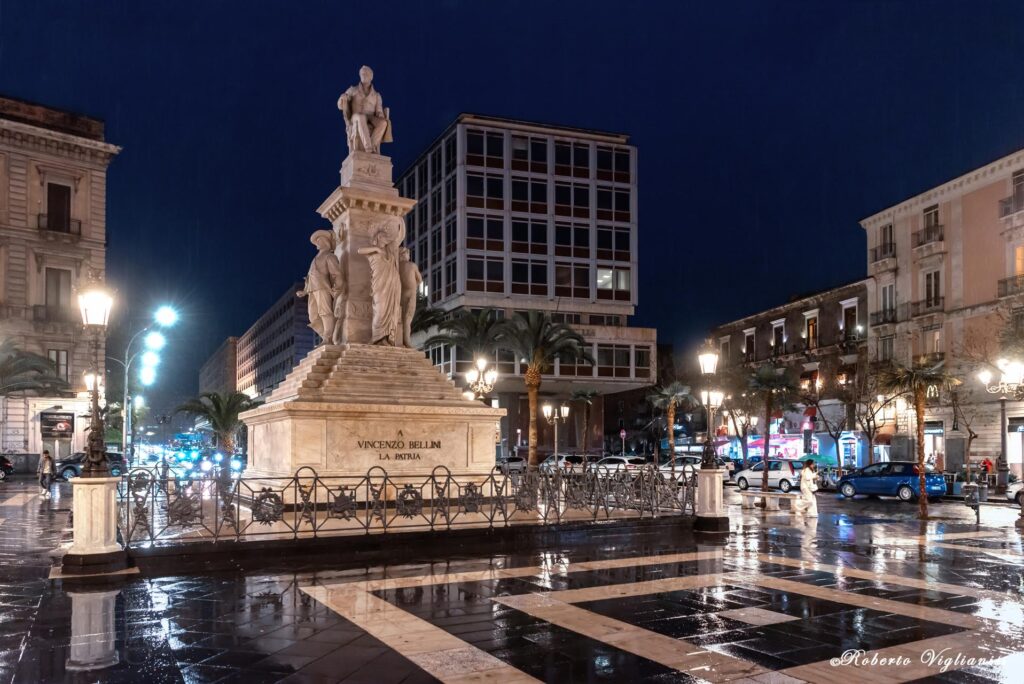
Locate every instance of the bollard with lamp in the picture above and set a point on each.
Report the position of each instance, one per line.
(94, 549)
(711, 517)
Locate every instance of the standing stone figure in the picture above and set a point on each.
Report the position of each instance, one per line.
(411, 279)
(386, 284)
(323, 284)
(367, 122)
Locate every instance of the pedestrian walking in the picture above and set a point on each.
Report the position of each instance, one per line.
(45, 472)
(807, 503)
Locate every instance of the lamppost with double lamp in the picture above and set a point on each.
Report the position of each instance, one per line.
(553, 418)
(1011, 382)
(94, 549)
(480, 379)
(711, 516)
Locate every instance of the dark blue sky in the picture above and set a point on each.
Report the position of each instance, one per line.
(765, 130)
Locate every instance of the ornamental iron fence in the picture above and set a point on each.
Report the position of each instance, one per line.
(168, 510)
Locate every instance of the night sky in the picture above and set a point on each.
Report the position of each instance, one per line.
(765, 130)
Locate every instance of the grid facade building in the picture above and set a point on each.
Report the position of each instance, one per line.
(220, 372)
(275, 344)
(53, 186)
(516, 216)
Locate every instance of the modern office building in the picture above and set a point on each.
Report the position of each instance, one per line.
(947, 275)
(53, 182)
(275, 343)
(220, 372)
(515, 216)
(823, 330)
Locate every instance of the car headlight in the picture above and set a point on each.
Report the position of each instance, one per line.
(236, 464)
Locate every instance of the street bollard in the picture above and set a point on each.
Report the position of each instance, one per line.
(973, 500)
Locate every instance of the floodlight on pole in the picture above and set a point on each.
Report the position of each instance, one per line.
(147, 375)
(150, 359)
(165, 316)
(155, 341)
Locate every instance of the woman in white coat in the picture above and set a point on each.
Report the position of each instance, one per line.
(807, 504)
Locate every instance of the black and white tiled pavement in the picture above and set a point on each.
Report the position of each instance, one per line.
(783, 600)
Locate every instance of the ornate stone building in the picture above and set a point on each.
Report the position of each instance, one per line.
(947, 275)
(53, 181)
(822, 330)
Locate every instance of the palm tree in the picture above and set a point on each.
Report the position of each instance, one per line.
(475, 332)
(425, 317)
(776, 390)
(221, 411)
(24, 371)
(915, 382)
(585, 397)
(538, 341)
(668, 398)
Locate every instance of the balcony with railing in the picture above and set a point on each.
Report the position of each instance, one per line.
(928, 306)
(927, 236)
(884, 316)
(1014, 285)
(884, 251)
(1009, 206)
(64, 224)
(43, 313)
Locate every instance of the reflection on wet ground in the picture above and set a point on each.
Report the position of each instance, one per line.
(864, 591)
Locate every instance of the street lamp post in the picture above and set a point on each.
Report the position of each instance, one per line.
(711, 516)
(153, 342)
(1011, 381)
(94, 549)
(553, 418)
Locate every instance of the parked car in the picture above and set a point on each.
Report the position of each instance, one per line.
(617, 463)
(6, 468)
(565, 462)
(512, 464)
(71, 467)
(1015, 492)
(686, 468)
(783, 474)
(895, 478)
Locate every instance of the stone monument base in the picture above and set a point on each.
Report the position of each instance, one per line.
(348, 408)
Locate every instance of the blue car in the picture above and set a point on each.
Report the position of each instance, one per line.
(896, 478)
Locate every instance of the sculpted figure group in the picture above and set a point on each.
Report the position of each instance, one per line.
(394, 282)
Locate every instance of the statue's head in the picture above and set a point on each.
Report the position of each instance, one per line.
(323, 239)
(365, 75)
(403, 254)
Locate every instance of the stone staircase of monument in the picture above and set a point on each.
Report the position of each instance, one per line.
(367, 374)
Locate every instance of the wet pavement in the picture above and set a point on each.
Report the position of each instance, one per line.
(863, 592)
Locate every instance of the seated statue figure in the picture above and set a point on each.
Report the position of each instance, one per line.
(367, 121)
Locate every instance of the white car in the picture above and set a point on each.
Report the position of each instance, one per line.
(782, 474)
(1015, 492)
(565, 462)
(685, 469)
(512, 464)
(614, 464)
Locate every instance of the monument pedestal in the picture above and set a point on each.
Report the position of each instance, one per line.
(94, 549)
(348, 408)
(710, 502)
